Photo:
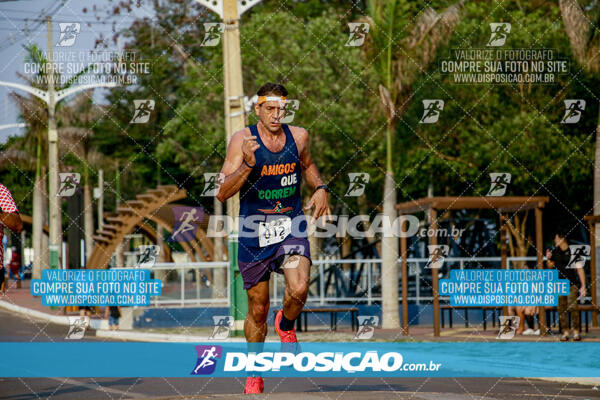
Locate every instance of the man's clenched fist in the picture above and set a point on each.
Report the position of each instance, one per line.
(249, 146)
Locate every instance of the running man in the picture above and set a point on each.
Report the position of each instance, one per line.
(264, 163)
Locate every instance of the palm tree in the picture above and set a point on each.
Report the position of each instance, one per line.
(399, 57)
(34, 113)
(30, 152)
(585, 45)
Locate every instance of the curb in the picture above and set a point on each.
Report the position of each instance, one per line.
(159, 337)
(100, 326)
(56, 319)
(579, 381)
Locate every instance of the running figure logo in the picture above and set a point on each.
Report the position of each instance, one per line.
(358, 33)
(77, 327)
(143, 109)
(500, 181)
(212, 183)
(508, 326)
(68, 183)
(293, 252)
(186, 220)
(432, 110)
(366, 326)
(212, 34)
(291, 106)
(223, 325)
(68, 33)
(500, 31)
(437, 255)
(573, 110)
(414, 269)
(579, 254)
(358, 183)
(147, 256)
(207, 359)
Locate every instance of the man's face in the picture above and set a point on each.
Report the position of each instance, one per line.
(270, 114)
(558, 240)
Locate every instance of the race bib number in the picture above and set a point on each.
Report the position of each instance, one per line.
(274, 231)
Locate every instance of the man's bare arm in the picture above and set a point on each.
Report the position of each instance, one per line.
(12, 221)
(241, 147)
(549, 262)
(320, 198)
(581, 274)
(311, 173)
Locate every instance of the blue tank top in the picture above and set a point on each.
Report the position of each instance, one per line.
(270, 200)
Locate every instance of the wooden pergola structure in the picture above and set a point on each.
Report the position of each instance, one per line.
(592, 221)
(503, 205)
(131, 216)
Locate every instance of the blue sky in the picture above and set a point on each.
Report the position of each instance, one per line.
(23, 22)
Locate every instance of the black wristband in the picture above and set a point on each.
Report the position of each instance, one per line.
(250, 166)
(324, 187)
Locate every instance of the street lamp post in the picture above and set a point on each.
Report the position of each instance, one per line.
(230, 11)
(51, 98)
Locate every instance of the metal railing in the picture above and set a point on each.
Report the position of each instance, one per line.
(191, 288)
(207, 283)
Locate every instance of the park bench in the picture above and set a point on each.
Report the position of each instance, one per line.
(551, 314)
(585, 309)
(496, 311)
(333, 316)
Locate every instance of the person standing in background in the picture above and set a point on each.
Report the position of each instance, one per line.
(9, 217)
(560, 258)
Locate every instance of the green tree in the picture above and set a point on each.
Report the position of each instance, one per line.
(584, 35)
(400, 51)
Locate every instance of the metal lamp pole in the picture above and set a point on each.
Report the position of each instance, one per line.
(51, 98)
(230, 11)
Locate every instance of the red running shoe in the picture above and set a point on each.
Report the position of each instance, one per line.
(285, 336)
(254, 385)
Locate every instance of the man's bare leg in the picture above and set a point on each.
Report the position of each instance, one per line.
(521, 314)
(297, 275)
(255, 324)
